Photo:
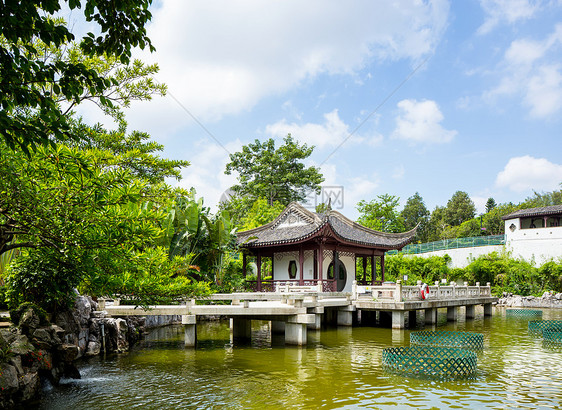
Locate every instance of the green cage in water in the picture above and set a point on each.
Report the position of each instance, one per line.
(536, 327)
(446, 338)
(431, 362)
(523, 313)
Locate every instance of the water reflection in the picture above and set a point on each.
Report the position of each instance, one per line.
(340, 368)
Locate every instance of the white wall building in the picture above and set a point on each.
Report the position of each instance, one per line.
(533, 234)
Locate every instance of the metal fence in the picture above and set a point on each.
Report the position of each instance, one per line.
(455, 243)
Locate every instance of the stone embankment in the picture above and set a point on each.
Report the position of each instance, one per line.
(547, 300)
(41, 348)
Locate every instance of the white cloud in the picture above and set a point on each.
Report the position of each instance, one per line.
(206, 172)
(356, 189)
(532, 72)
(509, 11)
(544, 91)
(526, 173)
(331, 133)
(221, 58)
(399, 172)
(420, 122)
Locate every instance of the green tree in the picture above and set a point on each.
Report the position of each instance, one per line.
(274, 174)
(32, 84)
(490, 204)
(134, 152)
(437, 224)
(62, 197)
(493, 222)
(260, 214)
(459, 208)
(381, 214)
(415, 213)
(540, 199)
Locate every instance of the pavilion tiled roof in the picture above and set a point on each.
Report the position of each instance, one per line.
(541, 211)
(296, 224)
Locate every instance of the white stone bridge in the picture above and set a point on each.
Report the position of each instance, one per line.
(294, 309)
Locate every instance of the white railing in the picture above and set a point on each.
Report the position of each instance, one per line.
(399, 293)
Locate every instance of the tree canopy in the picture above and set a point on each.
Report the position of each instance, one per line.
(277, 174)
(33, 84)
(415, 213)
(459, 208)
(381, 214)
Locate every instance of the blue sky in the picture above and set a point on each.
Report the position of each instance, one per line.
(460, 95)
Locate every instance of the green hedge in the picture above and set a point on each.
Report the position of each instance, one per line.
(503, 272)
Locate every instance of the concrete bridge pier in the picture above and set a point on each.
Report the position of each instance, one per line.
(452, 314)
(189, 323)
(487, 309)
(431, 316)
(469, 312)
(318, 314)
(295, 334)
(398, 319)
(345, 316)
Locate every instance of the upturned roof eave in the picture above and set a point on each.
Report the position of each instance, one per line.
(406, 236)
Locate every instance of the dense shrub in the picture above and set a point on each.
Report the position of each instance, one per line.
(428, 270)
(41, 277)
(503, 272)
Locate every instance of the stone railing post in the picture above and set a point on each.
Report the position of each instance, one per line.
(354, 290)
(189, 303)
(489, 290)
(454, 285)
(398, 291)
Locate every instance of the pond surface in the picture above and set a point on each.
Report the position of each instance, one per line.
(339, 369)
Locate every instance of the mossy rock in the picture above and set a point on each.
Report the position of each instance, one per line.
(17, 314)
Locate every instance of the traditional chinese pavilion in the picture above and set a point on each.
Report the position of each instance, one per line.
(306, 248)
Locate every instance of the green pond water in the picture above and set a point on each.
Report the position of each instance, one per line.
(340, 368)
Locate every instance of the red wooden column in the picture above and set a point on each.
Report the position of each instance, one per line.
(244, 265)
(259, 272)
(382, 267)
(301, 266)
(273, 267)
